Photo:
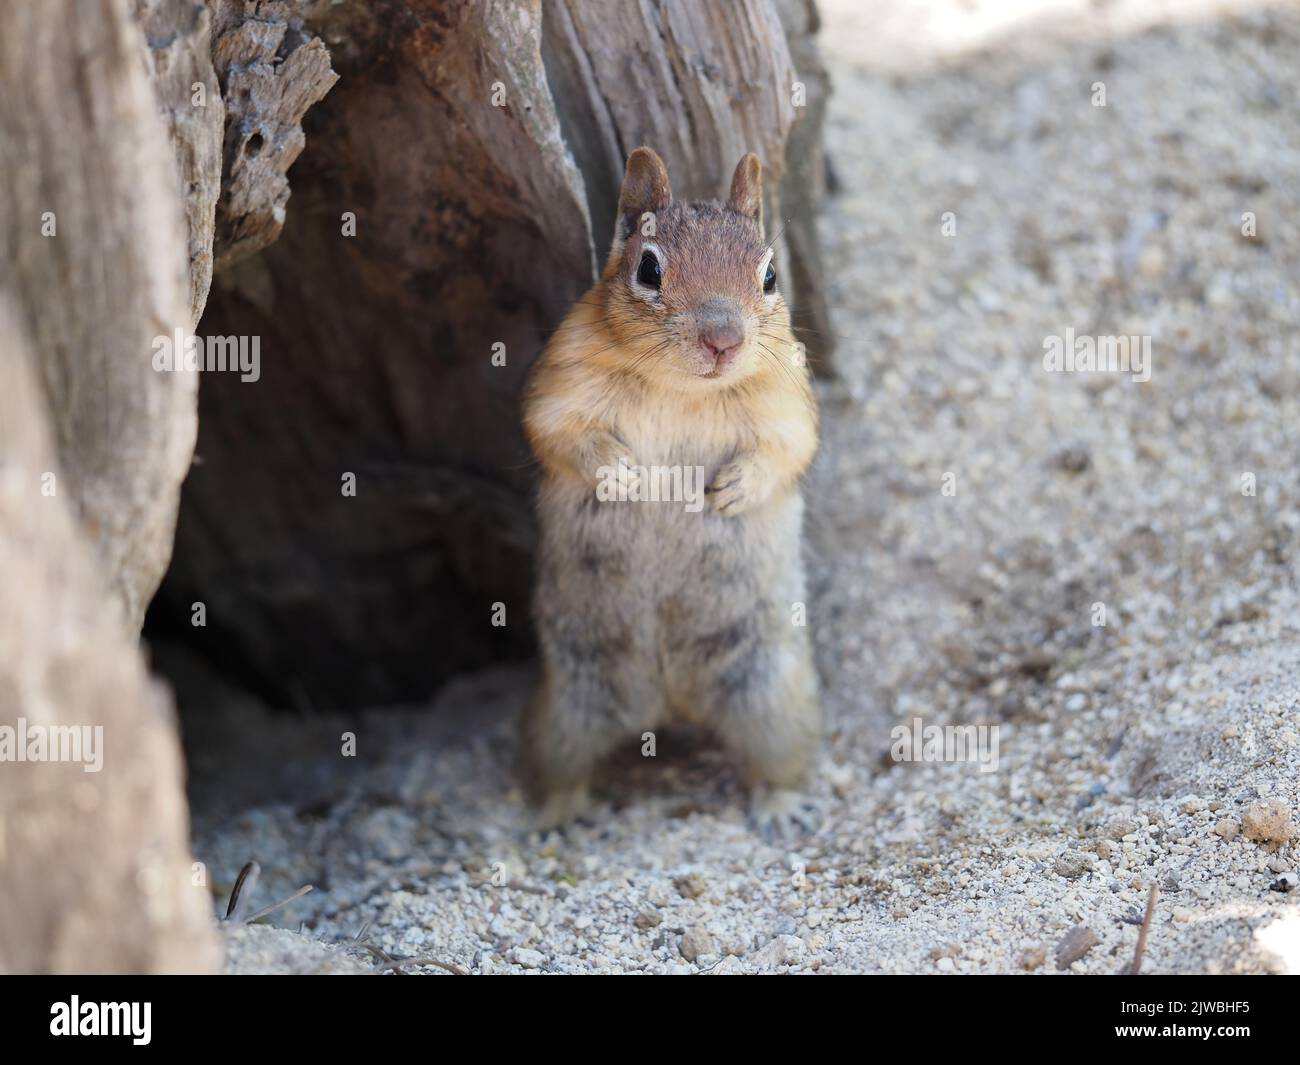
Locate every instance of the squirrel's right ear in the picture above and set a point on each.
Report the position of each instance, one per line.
(645, 189)
(747, 189)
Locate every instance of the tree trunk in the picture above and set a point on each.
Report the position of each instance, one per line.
(95, 869)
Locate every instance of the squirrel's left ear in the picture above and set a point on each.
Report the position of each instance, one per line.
(747, 189)
(645, 190)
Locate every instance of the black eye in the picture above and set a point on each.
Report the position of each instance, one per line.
(769, 279)
(648, 272)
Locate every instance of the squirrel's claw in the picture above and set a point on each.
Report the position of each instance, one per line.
(780, 814)
(731, 491)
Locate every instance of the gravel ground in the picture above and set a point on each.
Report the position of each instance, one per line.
(970, 514)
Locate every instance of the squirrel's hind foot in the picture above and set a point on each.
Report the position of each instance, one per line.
(563, 807)
(783, 814)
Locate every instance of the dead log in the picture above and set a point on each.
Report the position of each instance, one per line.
(436, 221)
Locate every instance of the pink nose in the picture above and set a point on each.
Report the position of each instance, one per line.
(721, 340)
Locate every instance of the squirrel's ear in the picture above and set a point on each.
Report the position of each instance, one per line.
(645, 188)
(747, 189)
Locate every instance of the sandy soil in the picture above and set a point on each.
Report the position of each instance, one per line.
(973, 517)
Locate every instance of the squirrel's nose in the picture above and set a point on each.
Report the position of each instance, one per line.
(721, 330)
(721, 338)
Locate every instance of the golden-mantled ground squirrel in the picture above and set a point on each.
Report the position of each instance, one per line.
(673, 417)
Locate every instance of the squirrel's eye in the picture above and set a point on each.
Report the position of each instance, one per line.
(648, 272)
(769, 279)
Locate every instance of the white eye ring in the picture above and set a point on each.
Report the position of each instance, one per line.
(762, 270)
(645, 291)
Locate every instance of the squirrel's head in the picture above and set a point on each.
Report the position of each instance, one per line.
(692, 292)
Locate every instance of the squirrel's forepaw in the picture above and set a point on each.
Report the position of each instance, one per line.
(616, 471)
(780, 814)
(628, 475)
(734, 489)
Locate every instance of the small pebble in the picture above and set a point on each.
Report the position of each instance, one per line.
(690, 887)
(1268, 822)
(528, 959)
(1074, 945)
(783, 950)
(1074, 864)
(697, 942)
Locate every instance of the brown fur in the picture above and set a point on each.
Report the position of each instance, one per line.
(646, 610)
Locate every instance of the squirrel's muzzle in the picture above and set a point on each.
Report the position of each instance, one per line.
(721, 331)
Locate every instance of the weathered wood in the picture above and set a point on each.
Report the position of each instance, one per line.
(93, 252)
(234, 79)
(702, 84)
(95, 870)
(804, 187)
(179, 36)
(271, 71)
(471, 237)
